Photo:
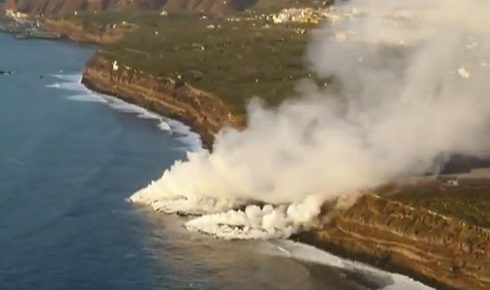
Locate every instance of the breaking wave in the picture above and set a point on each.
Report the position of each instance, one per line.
(80, 93)
(310, 254)
(87, 98)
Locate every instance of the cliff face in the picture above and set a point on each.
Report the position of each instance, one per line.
(431, 247)
(204, 112)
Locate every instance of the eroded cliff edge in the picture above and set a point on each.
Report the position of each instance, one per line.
(441, 251)
(205, 113)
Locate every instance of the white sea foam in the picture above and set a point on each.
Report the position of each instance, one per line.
(71, 78)
(185, 135)
(164, 126)
(388, 280)
(72, 82)
(87, 98)
(55, 85)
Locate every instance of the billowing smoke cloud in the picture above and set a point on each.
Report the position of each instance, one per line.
(408, 83)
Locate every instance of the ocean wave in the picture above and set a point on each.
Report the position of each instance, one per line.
(54, 85)
(72, 82)
(185, 134)
(140, 112)
(87, 98)
(72, 78)
(310, 254)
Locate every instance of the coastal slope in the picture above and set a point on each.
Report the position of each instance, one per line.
(204, 112)
(440, 250)
(214, 7)
(60, 7)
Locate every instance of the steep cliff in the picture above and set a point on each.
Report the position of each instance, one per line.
(204, 112)
(440, 250)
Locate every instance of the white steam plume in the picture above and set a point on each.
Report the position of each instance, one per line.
(408, 84)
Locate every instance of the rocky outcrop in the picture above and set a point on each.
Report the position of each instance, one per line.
(441, 251)
(204, 112)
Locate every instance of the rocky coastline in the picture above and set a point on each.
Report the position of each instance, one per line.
(439, 251)
(443, 252)
(205, 113)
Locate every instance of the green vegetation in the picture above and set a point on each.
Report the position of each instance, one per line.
(470, 201)
(271, 6)
(235, 60)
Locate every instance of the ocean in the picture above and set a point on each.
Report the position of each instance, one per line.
(69, 158)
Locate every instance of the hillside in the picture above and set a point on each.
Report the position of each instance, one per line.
(63, 7)
(434, 233)
(166, 63)
(203, 52)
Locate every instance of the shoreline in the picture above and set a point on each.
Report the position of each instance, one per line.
(441, 251)
(305, 237)
(169, 125)
(204, 113)
(357, 269)
(199, 134)
(376, 262)
(98, 78)
(177, 101)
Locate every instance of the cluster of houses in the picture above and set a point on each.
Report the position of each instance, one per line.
(310, 15)
(301, 15)
(16, 15)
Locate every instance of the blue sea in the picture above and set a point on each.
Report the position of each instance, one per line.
(69, 158)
